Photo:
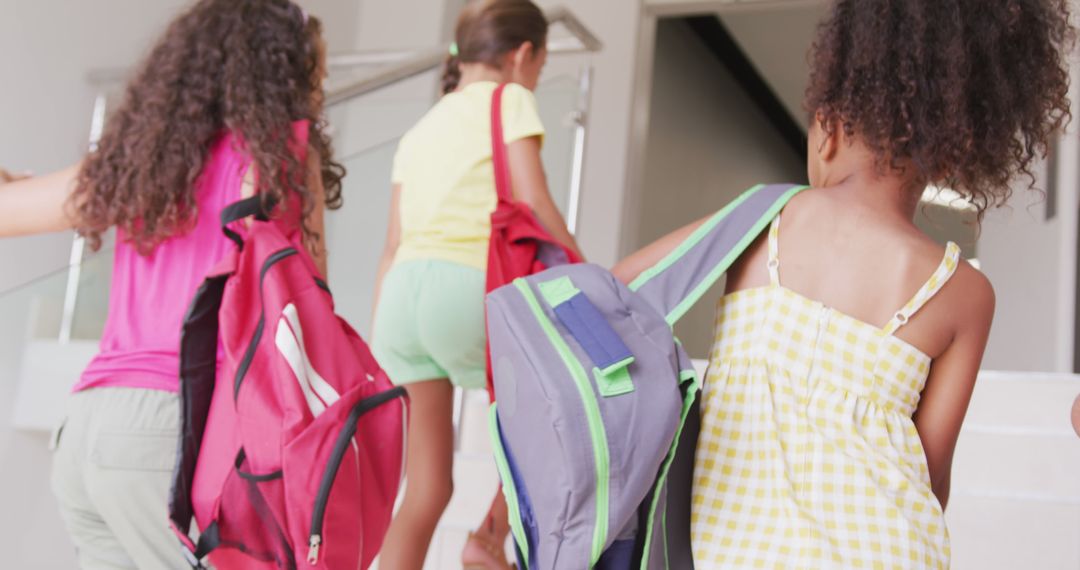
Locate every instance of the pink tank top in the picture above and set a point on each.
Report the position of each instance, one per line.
(150, 294)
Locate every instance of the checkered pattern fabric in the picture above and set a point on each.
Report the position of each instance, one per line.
(808, 457)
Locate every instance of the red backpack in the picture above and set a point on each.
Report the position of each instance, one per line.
(520, 245)
(294, 458)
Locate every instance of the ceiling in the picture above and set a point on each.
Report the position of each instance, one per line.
(776, 41)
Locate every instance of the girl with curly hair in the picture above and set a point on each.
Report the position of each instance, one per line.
(227, 104)
(848, 342)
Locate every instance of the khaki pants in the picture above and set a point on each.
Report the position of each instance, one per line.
(112, 472)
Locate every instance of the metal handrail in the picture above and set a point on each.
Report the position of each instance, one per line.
(433, 58)
(103, 77)
(406, 64)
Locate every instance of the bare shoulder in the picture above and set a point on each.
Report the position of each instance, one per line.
(967, 304)
(973, 291)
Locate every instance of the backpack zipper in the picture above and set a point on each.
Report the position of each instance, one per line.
(595, 422)
(341, 445)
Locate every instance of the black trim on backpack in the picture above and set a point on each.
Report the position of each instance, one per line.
(348, 430)
(249, 353)
(258, 205)
(286, 557)
(209, 540)
(198, 369)
(240, 457)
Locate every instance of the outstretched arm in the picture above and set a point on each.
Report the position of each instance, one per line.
(36, 205)
(6, 176)
(530, 186)
(633, 265)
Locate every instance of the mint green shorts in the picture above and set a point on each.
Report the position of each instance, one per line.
(429, 323)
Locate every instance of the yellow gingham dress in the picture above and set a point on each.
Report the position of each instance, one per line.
(808, 457)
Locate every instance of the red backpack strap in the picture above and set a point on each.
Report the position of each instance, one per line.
(499, 159)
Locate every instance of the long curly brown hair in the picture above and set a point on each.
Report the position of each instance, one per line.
(249, 66)
(968, 92)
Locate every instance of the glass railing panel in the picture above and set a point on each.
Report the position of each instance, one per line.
(368, 120)
(31, 310)
(38, 369)
(92, 303)
(47, 296)
(557, 99)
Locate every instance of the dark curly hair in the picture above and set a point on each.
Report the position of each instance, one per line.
(249, 66)
(967, 92)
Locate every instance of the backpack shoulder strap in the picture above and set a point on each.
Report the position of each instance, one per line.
(499, 157)
(198, 375)
(679, 280)
(257, 205)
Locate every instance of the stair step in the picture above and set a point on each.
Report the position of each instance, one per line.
(1031, 464)
(989, 533)
(1030, 400)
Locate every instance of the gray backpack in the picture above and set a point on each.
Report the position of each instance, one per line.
(593, 395)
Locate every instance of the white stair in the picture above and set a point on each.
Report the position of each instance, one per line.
(1016, 477)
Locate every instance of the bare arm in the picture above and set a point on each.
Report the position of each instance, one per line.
(633, 265)
(36, 205)
(945, 398)
(6, 176)
(530, 186)
(393, 238)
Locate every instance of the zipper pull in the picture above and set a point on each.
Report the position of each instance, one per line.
(313, 549)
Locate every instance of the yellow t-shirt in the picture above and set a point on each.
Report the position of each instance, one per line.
(443, 165)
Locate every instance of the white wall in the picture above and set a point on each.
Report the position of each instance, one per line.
(778, 41)
(1018, 250)
(707, 142)
(615, 23)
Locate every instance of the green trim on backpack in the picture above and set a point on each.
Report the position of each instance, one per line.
(509, 490)
(690, 378)
(614, 380)
(601, 454)
(558, 291)
(700, 234)
(689, 243)
(690, 300)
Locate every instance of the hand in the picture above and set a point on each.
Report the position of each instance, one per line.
(6, 176)
(1076, 415)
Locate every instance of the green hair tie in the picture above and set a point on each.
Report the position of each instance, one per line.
(453, 49)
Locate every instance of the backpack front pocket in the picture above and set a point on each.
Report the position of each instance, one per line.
(336, 491)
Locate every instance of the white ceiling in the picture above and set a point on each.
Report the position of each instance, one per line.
(777, 40)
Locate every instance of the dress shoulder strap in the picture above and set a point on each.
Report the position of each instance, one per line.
(774, 252)
(941, 276)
